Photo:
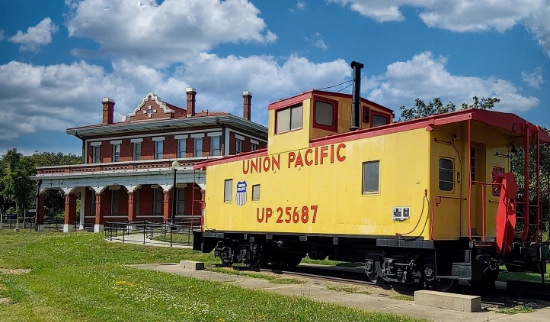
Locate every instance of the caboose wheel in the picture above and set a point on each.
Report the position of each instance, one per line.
(372, 269)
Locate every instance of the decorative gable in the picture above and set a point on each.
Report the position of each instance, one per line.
(152, 107)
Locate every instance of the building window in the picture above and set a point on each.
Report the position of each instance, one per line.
(215, 145)
(182, 148)
(228, 190)
(371, 177)
(116, 152)
(288, 119)
(180, 201)
(159, 150)
(136, 154)
(256, 192)
(96, 154)
(238, 145)
(115, 201)
(93, 202)
(325, 115)
(446, 171)
(157, 201)
(197, 148)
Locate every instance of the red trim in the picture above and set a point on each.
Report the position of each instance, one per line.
(232, 158)
(287, 102)
(309, 94)
(469, 180)
(334, 104)
(502, 120)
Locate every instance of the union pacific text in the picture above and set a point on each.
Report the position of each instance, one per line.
(309, 157)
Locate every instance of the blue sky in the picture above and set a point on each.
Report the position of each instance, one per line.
(58, 59)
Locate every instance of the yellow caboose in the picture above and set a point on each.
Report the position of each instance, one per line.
(416, 201)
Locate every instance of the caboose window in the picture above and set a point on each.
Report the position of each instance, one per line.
(371, 177)
(288, 119)
(256, 192)
(228, 190)
(325, 115)
(378, 120)
(446, 170)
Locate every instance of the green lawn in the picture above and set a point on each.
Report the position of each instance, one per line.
(81, 277)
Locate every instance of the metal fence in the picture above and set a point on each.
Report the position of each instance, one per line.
(147, 232)
(8, 221)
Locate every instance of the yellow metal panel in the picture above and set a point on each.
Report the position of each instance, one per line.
(291, 140)
(318, 190)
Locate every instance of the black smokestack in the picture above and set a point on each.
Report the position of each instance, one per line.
(356, 95)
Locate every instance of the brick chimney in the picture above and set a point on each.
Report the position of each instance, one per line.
(247, 104)
(190, 101)
(108, 110)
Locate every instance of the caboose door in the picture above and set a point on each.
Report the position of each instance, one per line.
(479, 178)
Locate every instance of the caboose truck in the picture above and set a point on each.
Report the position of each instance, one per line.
(428, 201)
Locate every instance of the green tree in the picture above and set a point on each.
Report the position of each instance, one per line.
(17, 187)
(54, 201)
(421, 109)
(43, 159)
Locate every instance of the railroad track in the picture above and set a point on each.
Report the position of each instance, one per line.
(500, 297)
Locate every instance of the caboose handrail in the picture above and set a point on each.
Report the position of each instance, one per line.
(435, 204)
(484, 204)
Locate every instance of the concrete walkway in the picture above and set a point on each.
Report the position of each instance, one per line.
(318, 291)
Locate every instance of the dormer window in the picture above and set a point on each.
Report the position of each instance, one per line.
(325, 114)
(288, 119)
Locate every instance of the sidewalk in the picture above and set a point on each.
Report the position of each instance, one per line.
(315, 290)
(138, 239)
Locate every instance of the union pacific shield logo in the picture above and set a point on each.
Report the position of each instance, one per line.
(240, 197)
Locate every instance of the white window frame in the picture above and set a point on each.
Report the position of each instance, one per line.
(370, 179)
(197, 146)
(96, 153)
(228, 191)
(293, 121)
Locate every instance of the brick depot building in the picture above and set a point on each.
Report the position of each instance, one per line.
(128, 169)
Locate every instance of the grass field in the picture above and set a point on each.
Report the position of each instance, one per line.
(81, 277)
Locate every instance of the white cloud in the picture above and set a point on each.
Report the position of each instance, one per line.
(539, 24)
(317, 41)
(533, 79)
(56, 97)
(300, 5)
(165, 33)
(36, 36)
(465, 16)
(426, 77)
